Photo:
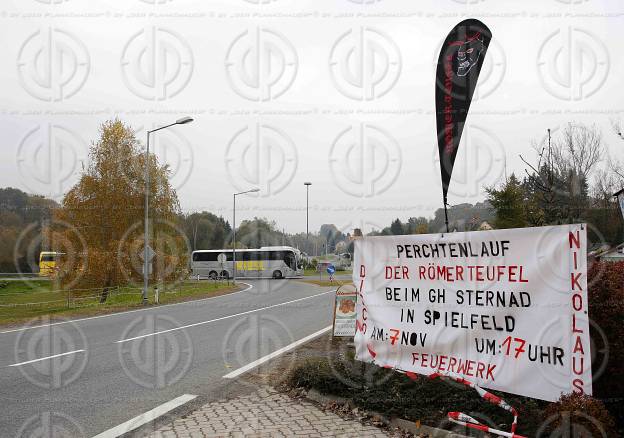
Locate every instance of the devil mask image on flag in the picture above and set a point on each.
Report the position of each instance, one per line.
(459, 65)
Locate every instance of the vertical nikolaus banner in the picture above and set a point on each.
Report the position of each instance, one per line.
(459, 65)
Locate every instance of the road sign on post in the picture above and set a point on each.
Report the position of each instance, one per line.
(150, 257)
(150, 254)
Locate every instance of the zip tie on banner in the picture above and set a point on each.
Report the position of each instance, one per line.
(459, 417)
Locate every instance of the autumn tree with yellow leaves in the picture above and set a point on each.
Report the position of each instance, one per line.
(102, 217)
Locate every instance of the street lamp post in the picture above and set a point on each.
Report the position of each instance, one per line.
(307, 184)
(234, 230)
(182, 121)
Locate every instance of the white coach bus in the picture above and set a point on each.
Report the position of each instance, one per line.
(266, 262)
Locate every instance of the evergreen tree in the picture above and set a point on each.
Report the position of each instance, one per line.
(508, 201)
(396, 228)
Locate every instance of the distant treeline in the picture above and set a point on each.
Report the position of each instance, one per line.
(22, 217)
(462, 217)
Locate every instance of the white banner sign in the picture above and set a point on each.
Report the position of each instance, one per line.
(505, 309)
(620, 198)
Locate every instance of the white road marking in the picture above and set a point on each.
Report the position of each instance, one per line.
(46, 358)
(268, 357)
(126, 312)
(146, 417)
(223, 317)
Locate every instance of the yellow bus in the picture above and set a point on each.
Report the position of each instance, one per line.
(47, 263)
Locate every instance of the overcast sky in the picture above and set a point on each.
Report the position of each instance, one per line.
(336, 92)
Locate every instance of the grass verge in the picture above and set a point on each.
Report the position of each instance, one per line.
(24, 300)
(314, 273)
(325, 283)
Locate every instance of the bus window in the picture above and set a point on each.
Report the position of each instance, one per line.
(276, 255)
(289, 259)
(204, 257)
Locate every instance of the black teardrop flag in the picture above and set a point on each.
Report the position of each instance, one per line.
(459, 64)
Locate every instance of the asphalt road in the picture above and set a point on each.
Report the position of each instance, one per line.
(110, 369)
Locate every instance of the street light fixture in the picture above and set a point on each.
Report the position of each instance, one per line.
(234, 229)
(182, 121)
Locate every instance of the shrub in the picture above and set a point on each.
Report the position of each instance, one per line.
(606, 310)
(577, 415)
(376, 389)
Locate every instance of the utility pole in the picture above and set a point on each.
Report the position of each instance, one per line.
(307, 184)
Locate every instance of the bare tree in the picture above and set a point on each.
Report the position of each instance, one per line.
(579, 148)
(615, 165)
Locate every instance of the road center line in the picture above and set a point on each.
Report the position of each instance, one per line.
(146, 417)
(46, 358)
(276, 353)
(224, 317)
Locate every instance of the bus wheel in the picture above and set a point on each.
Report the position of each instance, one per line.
(277, 275)
(224, 274)
(212, 275)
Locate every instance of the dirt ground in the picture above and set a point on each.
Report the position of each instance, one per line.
(328, 366)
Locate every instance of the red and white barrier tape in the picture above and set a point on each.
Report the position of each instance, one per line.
(461, 418)
(467, 421)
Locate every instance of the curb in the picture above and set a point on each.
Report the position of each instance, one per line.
(406, 425)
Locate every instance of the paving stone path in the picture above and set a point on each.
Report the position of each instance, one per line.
(265, 413)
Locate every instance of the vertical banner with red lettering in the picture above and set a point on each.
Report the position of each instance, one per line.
(457, 74)
(505, 309)
(620, 198)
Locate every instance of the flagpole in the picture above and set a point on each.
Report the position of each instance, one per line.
(445, 214)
